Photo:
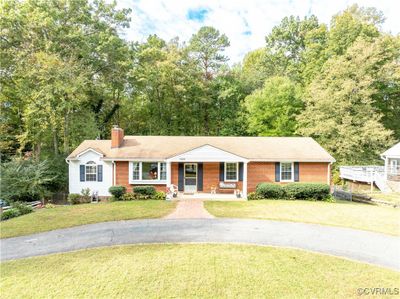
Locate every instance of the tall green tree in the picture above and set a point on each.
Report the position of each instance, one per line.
(60, 58)
(206, 47)
(340, 111)
(272, 110)
(165, 90)
(353, 23)
(286, 44)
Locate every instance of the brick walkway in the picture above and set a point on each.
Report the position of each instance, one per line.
(189, 208)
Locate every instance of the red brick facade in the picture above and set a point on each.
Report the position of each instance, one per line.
(122, 177)
(257, 172)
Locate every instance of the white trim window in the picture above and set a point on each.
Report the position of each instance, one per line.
(91, 172)
(287, 172)
(135, 171)
(148, 172)
(163, 171)
(231, 172)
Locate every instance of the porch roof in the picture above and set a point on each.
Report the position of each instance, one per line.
(302, 149)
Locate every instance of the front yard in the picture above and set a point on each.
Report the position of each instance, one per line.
(393, 198)
(67, 216)
(190, 271)
(360, 216)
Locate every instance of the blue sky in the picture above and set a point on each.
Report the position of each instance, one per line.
(245, 22)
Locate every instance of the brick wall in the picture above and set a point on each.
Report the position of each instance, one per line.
(211, 177)
(260, 172)
(174, 176)
(122, 177)
(257, 172)
(313, 172)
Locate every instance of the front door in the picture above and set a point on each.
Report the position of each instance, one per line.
(190, 178)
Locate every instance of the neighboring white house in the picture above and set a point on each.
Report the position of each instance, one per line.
(386, 178)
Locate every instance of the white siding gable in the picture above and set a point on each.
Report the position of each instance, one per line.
(206, 153)
(76, 186)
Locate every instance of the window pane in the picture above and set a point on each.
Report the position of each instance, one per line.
(135, 171)
(163, 171)
(149, 170)
(231, 171)
(286, 171)
(91, 173)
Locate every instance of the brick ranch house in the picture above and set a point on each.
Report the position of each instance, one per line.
(198, 166)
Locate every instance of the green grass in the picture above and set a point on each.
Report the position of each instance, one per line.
(360, 216)
(389, 197)
(67, 216)
(190, 271)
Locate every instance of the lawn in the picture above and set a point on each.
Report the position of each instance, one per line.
(67, 216)
(190, 271)
(360, 216)
(389, 197)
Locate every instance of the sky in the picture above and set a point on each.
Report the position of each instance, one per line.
(245, 22)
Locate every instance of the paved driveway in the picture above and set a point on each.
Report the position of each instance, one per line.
(374, 248)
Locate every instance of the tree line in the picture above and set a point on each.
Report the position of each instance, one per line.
(67, 75)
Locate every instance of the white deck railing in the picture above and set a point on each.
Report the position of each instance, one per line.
(366, 174)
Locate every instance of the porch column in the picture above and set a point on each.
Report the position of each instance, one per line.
(245, 180)
(168, 173)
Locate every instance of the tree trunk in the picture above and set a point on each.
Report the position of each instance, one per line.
(66, 133)
(55, 142)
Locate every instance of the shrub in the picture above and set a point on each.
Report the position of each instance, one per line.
(25, 179)
(74, 198)
(85, 198)
(268, 190)
(145, 190)
(128, 196)
(10, 213)
(159, 195)
(50, 206)
(306, 191)
(22, 208)
(117, 191)
(253, 196)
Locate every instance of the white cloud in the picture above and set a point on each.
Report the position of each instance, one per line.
(168, 18)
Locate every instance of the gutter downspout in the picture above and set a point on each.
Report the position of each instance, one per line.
(114, 172)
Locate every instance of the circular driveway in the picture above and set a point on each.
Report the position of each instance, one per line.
(379, 249)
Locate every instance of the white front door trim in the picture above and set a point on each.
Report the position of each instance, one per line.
(189, 188)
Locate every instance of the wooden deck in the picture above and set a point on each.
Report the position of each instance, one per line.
(366, 174)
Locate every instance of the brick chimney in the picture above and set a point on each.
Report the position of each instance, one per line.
(117, 136)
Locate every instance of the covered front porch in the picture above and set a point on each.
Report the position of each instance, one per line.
(207, 173)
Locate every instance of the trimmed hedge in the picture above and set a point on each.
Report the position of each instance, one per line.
(304, 191)
(268, 190)
(117, 191)
(145, 190)
(146, 193)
